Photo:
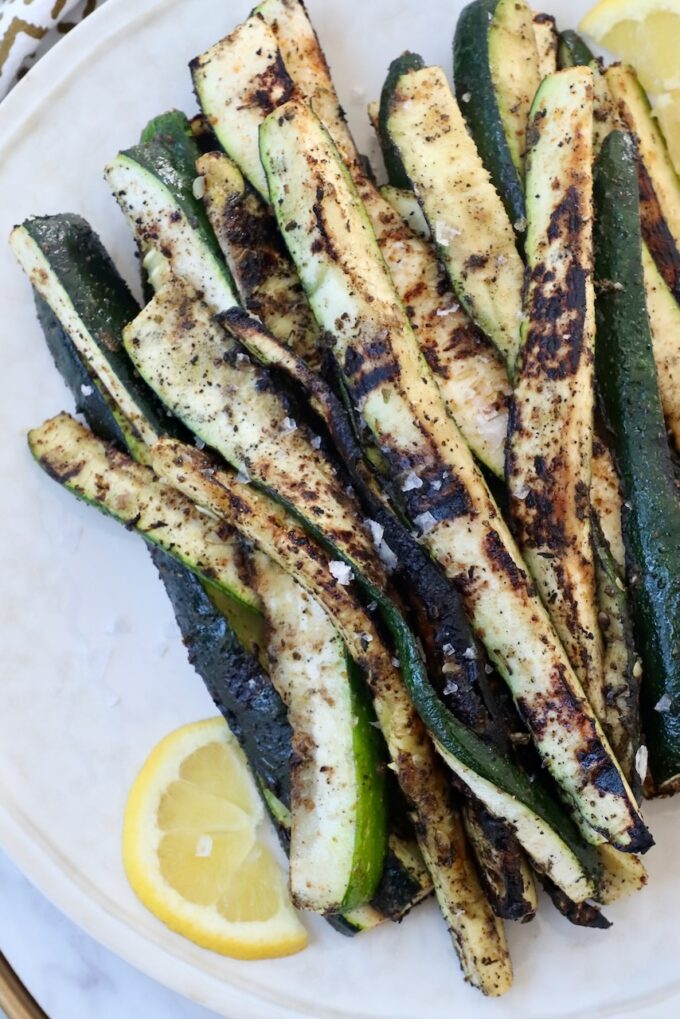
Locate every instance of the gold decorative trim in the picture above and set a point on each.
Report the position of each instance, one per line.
(17, 26)
(15, 1000)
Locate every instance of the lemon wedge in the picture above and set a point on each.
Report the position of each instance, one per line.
(645, 34)
(191, 849)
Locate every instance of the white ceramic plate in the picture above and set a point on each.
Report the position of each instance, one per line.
(91, 666)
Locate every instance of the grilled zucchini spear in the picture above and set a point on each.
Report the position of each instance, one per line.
(547, 43)
(477, 933)
(276, 50)
(551, 423)
(443, 626)
(658, 182)
(627, 381)
(86, 267)
(352, 296)
(471, 229)
(496, 74)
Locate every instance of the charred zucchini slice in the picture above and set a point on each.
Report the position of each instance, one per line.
(338, 832)
(423, 781)
(154, 185)
(551, 424)
(628, 385)
(390, 385)
(496, 74)
(471, 230)
(74, 275)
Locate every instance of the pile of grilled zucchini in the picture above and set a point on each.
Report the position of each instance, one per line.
(404, 456)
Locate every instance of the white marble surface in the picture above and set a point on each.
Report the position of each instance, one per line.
(69, 974)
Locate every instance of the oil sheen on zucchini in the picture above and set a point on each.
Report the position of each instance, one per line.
(353, 299)
(200, 373)
(338, 806)
(471, 230)
(208, 620)
(71, 271)
(550, 436)
(276, 51)
(628, 385)
(496, 74)
(478, 934)
(658, 181)
(154, 187)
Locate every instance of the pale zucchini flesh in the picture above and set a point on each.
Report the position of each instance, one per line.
(551, 424)
(238, 81)
(338, 839)
(621, 667)
(160, 223)
(406, 204)
(52, 290)
(350, 292)
(472, 233)
(259, 263)
(545, 34)
(664, 322)
(477, 933)
(607, 501)
(128, 491)
(635, 112)
(468, 369)
(198, 371)
(475, 380)
(513, 59)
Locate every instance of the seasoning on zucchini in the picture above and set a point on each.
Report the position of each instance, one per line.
(441, 327)
(258, 260)
(199, 372)
(549, 836)
(550, 435)
(658, 181)
(471, 230)
(154, 185)
(70, 269)
(478, 934)
(454, 659)
(627, 381)
(340, 266)
(547, 41)
(338, 806)
(496, 74)
(209, 620)
(396, 175)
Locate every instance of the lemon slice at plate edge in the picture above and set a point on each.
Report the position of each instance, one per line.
(645, 34)
(191, 849)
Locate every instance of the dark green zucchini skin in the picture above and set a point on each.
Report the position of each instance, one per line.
(626, 376)
(572, 51)
(173, 131)
(241, 690)
(173, 162)
(99, 294)
(88, 397)
(472, 80)
(396, 175)
(238, 685)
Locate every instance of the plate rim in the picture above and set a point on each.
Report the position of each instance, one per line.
(32, 855)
